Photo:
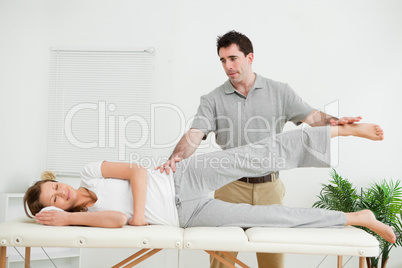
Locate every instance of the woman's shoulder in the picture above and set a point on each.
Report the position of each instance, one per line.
(92, 169)
(91, 172)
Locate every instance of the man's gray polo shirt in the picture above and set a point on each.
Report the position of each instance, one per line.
(238, 120)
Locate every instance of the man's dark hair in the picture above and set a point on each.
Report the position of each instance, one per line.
(237, 38)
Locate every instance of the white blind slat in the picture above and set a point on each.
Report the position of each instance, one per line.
(99, 107)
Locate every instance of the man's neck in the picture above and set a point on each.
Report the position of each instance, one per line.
(245, 86)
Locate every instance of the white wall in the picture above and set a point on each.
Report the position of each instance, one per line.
(343, 52)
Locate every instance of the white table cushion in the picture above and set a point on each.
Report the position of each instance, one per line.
(349, 241)
(215, 238)
(27, 233)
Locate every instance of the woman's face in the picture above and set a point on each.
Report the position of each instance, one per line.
(58, 194)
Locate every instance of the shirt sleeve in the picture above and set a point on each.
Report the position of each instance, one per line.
(205, 119)
(90, 173)
(295, 108)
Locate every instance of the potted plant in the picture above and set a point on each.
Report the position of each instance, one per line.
(384, 199)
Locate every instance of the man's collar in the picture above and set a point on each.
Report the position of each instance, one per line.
(229, 89)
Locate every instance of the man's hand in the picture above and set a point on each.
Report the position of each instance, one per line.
(184, 149)
(54, 218)
(170, 164)
(345, 120)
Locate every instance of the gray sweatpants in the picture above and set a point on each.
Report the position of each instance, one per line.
(196, 177)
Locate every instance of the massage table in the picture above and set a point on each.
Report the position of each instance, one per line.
(350, 241)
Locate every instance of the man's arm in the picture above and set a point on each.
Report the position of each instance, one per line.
(184, 149)
(317, 118)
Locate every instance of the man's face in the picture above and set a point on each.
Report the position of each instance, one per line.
(235, 64)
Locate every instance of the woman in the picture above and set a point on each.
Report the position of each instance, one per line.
(131, 194)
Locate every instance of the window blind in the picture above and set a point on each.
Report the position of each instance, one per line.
(99, 107)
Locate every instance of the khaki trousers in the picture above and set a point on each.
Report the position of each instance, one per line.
(267, 193)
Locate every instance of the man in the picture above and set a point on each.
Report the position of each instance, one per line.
(245, 109)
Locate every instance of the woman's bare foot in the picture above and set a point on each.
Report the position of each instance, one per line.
(367, 219)
(363, 130)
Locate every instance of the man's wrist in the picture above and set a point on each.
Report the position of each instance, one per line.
(179, 155)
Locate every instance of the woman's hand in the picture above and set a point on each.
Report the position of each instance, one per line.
(137, 222)
(54, 218)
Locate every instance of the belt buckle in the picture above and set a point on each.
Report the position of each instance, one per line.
(248, 179)
(271, 177)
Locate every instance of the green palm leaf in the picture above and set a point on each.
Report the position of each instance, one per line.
(339, 195)
(384, 199)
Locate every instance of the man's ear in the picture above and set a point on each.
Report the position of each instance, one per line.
(250, 57)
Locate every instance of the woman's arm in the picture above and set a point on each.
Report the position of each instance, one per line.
(106, 219)
(138, 179)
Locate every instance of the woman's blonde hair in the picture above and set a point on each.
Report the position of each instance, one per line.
(48, 175)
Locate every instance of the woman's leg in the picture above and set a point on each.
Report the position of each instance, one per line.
(362, 130)
(367, 219)
(215, 213)
(197, 176)
(310, 147)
